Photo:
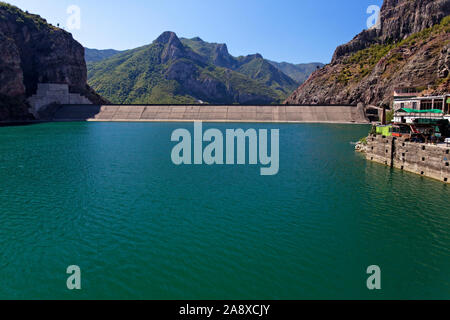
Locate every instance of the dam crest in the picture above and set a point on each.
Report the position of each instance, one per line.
(211, 113)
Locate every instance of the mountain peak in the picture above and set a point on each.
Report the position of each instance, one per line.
(173, 48)
(221, 56)
(221, 49)
(249, 58)
(168, 37)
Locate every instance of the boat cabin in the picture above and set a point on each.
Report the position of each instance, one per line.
(441, 103)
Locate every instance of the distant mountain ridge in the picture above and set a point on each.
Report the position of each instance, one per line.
(95, 55)
(174, 70)
(219, 56)
(299, 72)
(253, 66)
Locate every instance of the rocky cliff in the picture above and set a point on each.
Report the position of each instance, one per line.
(410, 49)
(253, 66)
(31, 52)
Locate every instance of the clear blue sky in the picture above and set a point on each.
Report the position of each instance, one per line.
(295, 31)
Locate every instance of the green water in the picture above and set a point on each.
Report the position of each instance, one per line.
(106, 197)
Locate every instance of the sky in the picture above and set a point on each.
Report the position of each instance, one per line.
(296, 31)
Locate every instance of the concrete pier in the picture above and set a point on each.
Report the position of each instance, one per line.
(211, 113)
(428, 160)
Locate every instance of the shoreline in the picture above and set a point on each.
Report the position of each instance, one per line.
(31, 122)
(423, 159)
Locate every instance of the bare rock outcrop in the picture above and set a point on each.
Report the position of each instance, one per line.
(399, 19)
(411, 49)
(31, 52)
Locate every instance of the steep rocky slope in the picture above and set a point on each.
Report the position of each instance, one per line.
(253, 66)
(33, 51)
(173, 70)
(411, 49)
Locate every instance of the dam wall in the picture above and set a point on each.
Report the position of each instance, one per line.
(428, 160)
(211, 113)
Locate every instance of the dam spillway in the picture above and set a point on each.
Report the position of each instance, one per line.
(210, 113)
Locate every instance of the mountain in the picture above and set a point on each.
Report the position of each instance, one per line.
(299, 72)
(173, 70)
(411, 49)
(31, 52)
(94, 55)
(253, 66)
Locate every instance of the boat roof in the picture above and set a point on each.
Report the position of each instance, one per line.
(421, 98)
(409, 110)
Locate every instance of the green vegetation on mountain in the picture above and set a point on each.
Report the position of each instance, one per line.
(253, 66)
(361, 63)
(94, 55)
(136, 76)
(24, 17)
(260, 69)
(172, 70)
(213, 53)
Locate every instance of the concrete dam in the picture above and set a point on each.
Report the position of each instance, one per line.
(210, 113)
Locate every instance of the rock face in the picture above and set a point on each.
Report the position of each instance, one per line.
(32, 52)
(411, 49)
(399, 20)
(253, 66)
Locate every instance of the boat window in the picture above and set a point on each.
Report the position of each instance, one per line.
(426, 105)
(438, 104)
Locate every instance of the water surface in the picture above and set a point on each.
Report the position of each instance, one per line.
(106, 197)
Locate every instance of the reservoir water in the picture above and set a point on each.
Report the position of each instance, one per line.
(106, 197)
